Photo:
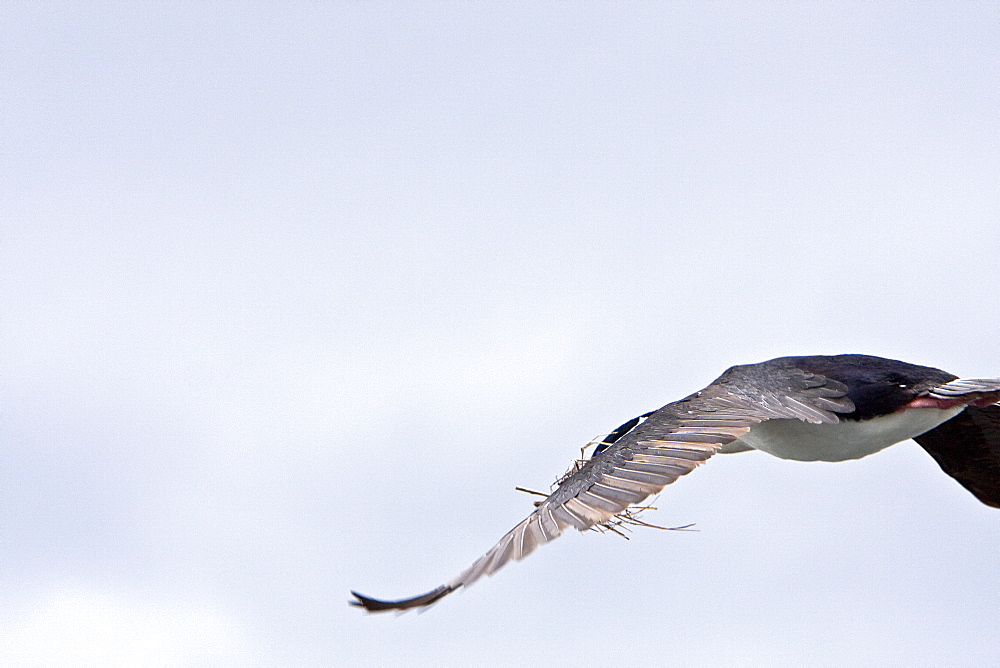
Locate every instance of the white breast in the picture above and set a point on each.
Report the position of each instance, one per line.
(794, 439)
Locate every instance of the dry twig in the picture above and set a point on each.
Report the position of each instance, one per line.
(621, 522)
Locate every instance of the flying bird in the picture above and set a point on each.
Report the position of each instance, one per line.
(815, 408)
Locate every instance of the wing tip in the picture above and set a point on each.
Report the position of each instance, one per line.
(377, 605)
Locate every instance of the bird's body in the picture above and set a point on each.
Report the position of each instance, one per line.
(815, 408)
(807, 442)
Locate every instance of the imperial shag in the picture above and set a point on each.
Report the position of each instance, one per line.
(817, 408)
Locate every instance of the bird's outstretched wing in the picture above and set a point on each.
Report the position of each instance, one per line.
(967, 447)
(671, 442)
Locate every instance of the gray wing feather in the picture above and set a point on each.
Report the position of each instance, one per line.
(962, 387)
(672, 442)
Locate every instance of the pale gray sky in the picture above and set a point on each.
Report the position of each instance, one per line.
(292, 297)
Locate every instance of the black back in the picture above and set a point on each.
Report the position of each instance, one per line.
(876, 385)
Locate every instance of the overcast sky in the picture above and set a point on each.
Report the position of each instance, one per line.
(292, 297)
